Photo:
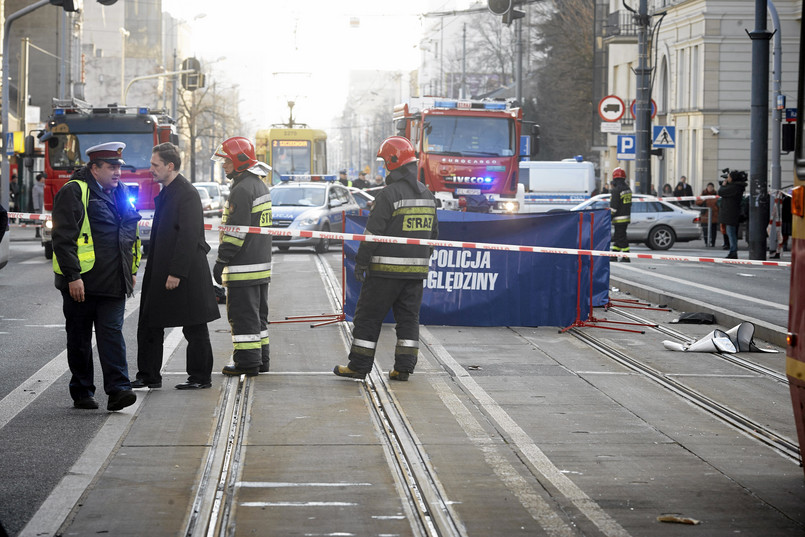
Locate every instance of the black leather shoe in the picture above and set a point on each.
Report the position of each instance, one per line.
(235, 371)
(120, 400)
(139, 383)
(193, 385)
(87, 403)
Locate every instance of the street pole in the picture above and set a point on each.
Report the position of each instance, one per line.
(642, 103)
(519, 51)
(123, 35)
(759, 131)
(776, 114)
(5, 169)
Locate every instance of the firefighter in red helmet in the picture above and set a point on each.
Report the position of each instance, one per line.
(243, 264)
(621, 206)
(393, 274)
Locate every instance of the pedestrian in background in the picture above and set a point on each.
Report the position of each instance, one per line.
(683, 189)
(177, 288)
(38, 199)
(379, 181)
(709, 219)
(243, 264)
(731, 193)
(392, 274)
(361, 182)
(342, 178)
(667, 191)
(621, 206)
(96, 254)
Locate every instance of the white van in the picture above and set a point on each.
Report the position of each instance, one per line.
(549, 185)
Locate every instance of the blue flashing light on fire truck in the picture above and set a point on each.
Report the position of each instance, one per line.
(73, 127)
(468, 150)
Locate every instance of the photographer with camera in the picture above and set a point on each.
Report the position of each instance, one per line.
(731, 192)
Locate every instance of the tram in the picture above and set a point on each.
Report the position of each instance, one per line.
(795, 350)
(293, 151)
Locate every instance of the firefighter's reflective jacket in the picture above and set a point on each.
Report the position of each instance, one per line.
(247, 256)
(404, 208)
(621, 202)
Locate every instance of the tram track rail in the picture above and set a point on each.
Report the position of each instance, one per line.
(430, 513)
(732, 358)
(786, 447)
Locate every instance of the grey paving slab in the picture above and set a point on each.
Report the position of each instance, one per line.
(143, 491)
(316, 489)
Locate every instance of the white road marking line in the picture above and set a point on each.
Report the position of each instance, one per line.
(524, 443)
(297, 504)
(274, 484)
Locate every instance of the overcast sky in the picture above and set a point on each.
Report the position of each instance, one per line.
(302, 51)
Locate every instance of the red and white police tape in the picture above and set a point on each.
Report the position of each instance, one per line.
(281, 232)
(277, 232)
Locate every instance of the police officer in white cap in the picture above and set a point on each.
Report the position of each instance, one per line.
(96, 253)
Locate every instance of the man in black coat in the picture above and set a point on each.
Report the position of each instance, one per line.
(729, 214)
(177, 286)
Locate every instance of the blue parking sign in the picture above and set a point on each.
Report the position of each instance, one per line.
(626, 147)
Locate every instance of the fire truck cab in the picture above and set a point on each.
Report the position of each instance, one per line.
(468, 150)
(73, 128)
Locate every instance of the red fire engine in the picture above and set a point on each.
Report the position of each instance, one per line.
(73, 128)
(468, 151)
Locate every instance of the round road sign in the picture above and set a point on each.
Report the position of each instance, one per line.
(611, 108)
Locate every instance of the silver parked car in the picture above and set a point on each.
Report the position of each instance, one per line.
(655, 222)
(217, 200)
(313, 206)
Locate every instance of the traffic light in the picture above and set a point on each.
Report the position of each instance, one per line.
(195, 80)
(505, 8)
(68, 5)
(76, 5)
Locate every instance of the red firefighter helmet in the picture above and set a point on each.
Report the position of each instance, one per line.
(239, 150)
(619, 173)
(396, 151)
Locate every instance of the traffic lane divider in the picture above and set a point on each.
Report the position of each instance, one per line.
(280, 232)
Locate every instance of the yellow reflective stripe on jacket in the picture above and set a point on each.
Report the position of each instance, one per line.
(84, 244)
(400, 269)
(241, 273)
(232, 240)
(262, 206)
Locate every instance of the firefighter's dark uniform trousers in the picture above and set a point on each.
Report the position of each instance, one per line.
(247, 273)
(404, 208)
(378, 295)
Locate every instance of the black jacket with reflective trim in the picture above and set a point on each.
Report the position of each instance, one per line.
(404, 208)
(621, 202)
(247, 256)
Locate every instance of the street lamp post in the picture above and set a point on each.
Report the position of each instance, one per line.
(123, 35)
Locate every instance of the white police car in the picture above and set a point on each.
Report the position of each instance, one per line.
(312, 203)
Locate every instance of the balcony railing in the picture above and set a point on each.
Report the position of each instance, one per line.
(620, 24)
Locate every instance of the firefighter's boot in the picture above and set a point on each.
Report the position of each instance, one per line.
(344, 371)
(398, 375)
(236, 371)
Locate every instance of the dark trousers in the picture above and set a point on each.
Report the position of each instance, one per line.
(149, 353)
(709, 233)
(378, 295)
(106, 315)
(619, 241)
(247, 312)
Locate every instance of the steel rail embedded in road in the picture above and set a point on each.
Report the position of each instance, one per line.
(732, 358)
(431, 514)
(784, 446)
(210, 513)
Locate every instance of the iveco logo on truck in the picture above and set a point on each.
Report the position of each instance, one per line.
(459, 179)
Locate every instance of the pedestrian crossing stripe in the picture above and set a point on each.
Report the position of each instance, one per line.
(664, 136)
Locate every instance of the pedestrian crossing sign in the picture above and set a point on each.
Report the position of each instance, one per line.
(663, 136)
